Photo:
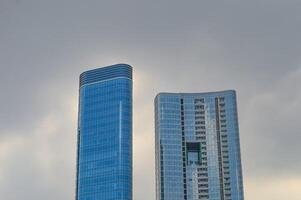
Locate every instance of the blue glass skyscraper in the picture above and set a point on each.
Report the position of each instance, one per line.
(197, 147)
(104, 157)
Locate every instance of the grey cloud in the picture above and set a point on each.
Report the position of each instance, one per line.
(40, 164)
(272, 131)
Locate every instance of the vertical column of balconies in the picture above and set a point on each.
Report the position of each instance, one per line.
(223, 148)
(200, 133)
(183, 149)
(159, 155)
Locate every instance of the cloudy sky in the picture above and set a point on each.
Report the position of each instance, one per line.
(251, 46)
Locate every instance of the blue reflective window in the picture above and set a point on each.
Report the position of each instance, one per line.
(104, 166)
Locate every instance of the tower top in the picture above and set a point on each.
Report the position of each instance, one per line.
(104, 73)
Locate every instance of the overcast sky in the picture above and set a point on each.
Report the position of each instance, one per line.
(251, 46)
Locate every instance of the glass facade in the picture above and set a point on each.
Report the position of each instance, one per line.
(197, 147)
(104, 157)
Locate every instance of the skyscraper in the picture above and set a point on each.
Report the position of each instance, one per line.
(197, 147)
(104, 157)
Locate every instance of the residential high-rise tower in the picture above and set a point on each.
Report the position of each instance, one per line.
(104, 157)
(197, 147)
